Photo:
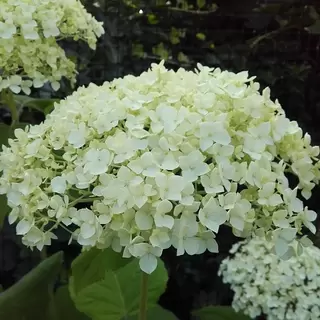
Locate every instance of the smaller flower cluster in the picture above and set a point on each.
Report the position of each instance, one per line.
(278, 288)
(29, 30)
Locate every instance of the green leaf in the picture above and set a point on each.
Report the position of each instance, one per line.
(174, 36)
(65, 306)
(90, 267)
(156, 313)
(161, 51)
(138, 50)
(201, 36)
(182, 58)
(42, 105)
(118, 294)
(152, 19)
(219, 313)
(30, 297)
(201, 3)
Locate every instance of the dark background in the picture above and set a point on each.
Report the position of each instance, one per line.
(277, 41)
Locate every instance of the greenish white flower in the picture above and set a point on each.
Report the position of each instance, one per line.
(161, 160)
(29, 33)
(265, 284)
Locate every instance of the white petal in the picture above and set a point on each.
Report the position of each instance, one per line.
(23, 227)
(164, 206)
(191, 245)
(139, 249)
(212, 245)
(104, 218)
(143, 220)
(87, 230)
(237, 222)
(58, 185)
(205, 143)
(13, 216)
(281, 247)
(288, 234)
(222, 137)
(55, 85)
(148, 263)
(163, 221)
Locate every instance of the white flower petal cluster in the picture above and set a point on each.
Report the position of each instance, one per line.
(264, 284)
(29, 31)
(160, 160)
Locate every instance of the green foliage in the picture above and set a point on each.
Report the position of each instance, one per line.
(137, 50)
(219, 313)
(156, 313)
(29, 299)
(201, 3)
(201, 36)
(160, 51)
(152, 19)
(65, 307)
(106, 286)
(43, 105)
(182, 58)
(175, 35)
(90, 267)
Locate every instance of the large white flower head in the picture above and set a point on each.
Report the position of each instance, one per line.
(264, 284)
(160, 160)
(29, 30)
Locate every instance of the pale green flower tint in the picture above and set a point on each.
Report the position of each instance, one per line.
(29, 30)
(281, 289)
(161, 160)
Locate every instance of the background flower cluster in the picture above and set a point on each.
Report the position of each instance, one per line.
(29, 33)
(263, 284)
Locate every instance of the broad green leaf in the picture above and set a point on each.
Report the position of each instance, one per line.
(29, 298)
(118, 294)
(65, 307)
(6, 132)
(90, 267)
(42, 105)
(219, 313)
(156, 313)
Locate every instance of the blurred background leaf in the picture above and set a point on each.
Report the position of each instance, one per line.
(29, 299)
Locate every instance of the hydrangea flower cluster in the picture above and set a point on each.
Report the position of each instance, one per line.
(160, 160)
(278, 288)
(29, 30)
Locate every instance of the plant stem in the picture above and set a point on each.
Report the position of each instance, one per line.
(8, 98)
(143, 296)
